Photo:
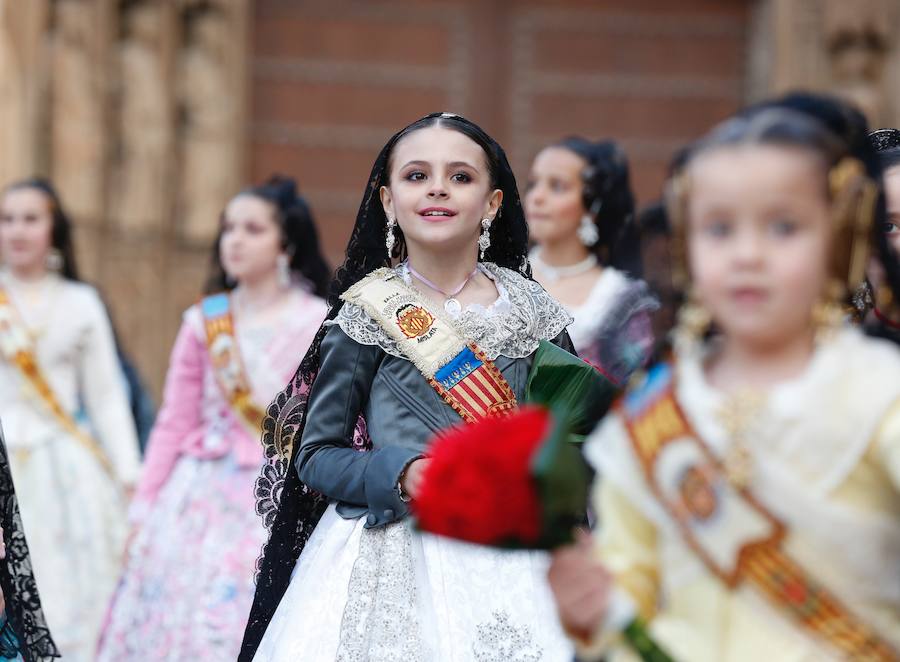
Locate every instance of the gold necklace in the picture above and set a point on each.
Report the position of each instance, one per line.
(736, 415)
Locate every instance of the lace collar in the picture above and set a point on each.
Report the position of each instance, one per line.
(512, 326)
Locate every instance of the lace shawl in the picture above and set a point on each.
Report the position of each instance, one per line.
(23, 604)
(532, 316)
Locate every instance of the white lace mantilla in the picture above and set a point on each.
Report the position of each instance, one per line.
(514, 331)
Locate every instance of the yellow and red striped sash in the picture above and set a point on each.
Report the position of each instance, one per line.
(455, 367)
(700, 494)
(16, 347)
(227, 366)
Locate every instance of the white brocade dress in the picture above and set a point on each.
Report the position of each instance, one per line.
(73, 512)
(393, 593)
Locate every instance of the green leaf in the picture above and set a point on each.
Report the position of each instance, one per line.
(563, 482)
(570, 387)
(640, 640)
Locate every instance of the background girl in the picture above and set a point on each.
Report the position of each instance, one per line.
(188, 583)
(579, 206)
(72, 443)
(785, 424)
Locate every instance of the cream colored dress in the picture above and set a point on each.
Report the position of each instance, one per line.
(826, 461)
(73, 511)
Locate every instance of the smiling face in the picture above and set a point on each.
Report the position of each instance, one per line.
(251, 239)
(553, 202)
(26, 229)
(758, 236)
(440, 189)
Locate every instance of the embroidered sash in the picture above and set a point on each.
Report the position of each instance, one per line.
(732, 533)
(456, 368)
(227, 366)
(17, 348)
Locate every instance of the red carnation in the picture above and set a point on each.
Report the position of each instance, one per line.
(479, 487)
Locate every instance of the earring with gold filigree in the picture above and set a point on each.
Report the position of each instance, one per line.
(828, 314)
(694, 322)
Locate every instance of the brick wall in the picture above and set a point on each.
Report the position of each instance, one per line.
(331, 81)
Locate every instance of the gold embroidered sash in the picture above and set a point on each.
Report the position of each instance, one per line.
(454, 367)
(17, 348)
(227, 366)
(732, 533)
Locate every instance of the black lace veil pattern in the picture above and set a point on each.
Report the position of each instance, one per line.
(23, 604)
(289, 508)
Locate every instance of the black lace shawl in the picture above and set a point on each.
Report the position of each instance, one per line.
(23, 604)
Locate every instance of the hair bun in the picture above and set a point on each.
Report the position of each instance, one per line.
(885, 139)
(285, 190)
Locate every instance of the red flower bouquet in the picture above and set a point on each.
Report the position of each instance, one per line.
(519, 480)
(514, 481)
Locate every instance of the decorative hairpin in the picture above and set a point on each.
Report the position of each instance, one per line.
(884, 139)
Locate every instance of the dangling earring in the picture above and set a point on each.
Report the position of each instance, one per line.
(283, 264)
(587, 231)
(389, 238)
(484, 241)
(54, 260)
(828, 315)
(693, 322)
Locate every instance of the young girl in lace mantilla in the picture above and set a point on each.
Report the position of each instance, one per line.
(435, 325)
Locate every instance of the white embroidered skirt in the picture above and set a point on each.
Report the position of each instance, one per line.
(394, 594)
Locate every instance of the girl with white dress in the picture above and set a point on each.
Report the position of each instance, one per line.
(70, 434)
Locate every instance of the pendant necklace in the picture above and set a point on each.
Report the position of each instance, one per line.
(451, 304)
(736, 415)
(553, 274)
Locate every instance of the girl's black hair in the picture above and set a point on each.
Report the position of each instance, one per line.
(606, 195)
(61, 232)
(292, 507)
(299, 237)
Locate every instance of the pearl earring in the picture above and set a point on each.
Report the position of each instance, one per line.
(587, 231)
(283, 264)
